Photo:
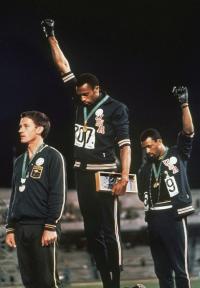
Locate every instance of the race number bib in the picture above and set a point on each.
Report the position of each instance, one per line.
(171, 186)
(84, 139)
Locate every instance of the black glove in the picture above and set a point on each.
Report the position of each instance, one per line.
(181, 93)
(48, 27)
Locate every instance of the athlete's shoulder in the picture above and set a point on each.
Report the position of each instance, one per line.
(118, 109)
(116, 103)
(18, 159)
(54, 152)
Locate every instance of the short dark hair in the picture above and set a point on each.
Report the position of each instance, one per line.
(40, 119)
(150, 132)
(88, 78)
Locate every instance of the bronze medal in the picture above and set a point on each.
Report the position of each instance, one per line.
(156, 184)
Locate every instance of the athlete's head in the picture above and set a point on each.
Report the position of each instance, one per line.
(151, 142)
(87, 88)
(33, 124)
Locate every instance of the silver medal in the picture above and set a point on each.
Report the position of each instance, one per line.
(22, 188)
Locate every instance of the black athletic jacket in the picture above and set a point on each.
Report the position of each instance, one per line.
(107, 127)
(174, 173)
(43, 199)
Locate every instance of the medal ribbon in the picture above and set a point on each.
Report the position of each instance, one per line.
(24, 166)
(157, 172)
(87, 117)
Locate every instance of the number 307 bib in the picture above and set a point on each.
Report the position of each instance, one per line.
(84, 139)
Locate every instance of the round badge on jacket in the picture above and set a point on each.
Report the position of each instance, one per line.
(39, 161)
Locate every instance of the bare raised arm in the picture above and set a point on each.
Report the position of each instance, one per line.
(187, 122)
(59, 58)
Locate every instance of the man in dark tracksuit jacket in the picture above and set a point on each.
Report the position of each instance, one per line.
(101, 123)
(36, 204)
(164, 189)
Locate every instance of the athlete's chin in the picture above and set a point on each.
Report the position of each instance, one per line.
(151, 157)
(23, 140)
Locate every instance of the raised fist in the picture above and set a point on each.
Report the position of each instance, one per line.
(48, 27)
(181, 93)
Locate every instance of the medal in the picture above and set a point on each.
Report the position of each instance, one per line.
(156, 184)
(85, 127)
(24, 172)
(22, 188)
(157, 172)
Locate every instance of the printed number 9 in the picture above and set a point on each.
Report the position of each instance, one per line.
(170, 185)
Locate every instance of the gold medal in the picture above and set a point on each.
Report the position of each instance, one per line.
(85, 127)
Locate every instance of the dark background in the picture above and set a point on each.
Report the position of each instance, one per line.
(138, 49)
